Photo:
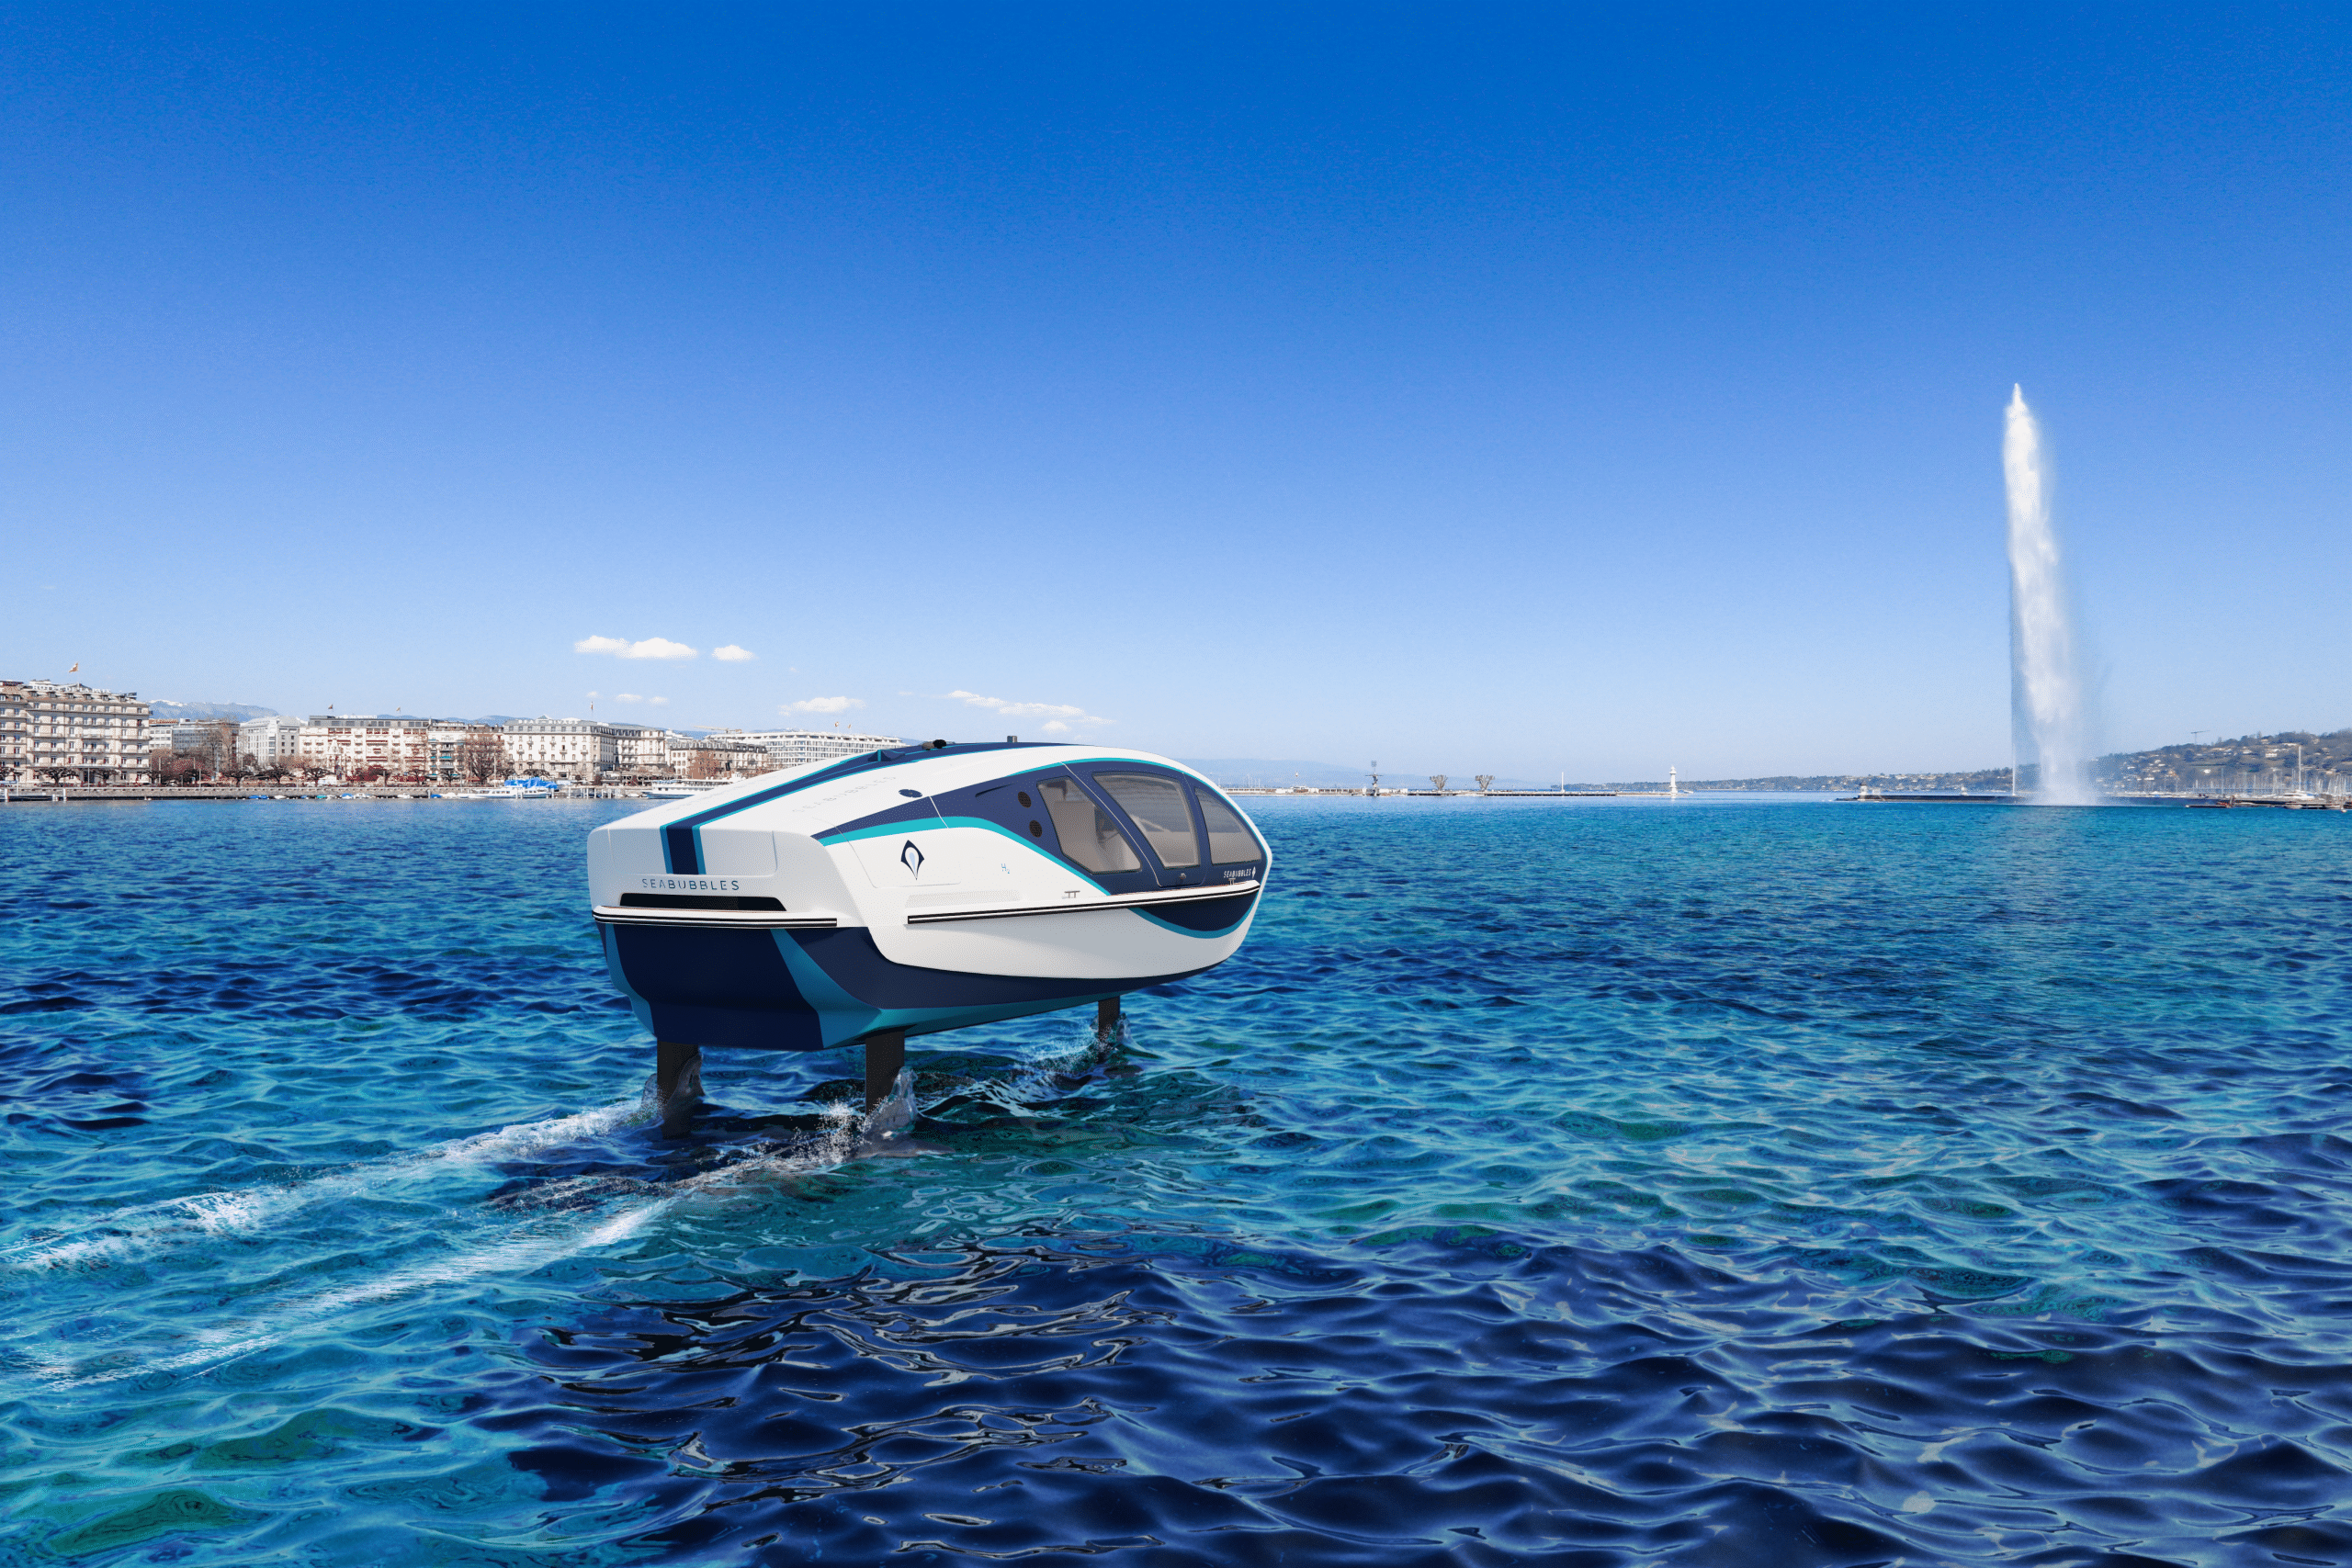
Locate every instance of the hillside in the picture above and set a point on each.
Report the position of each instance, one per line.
(2256, 763)
(2259, 763)
(190, 712)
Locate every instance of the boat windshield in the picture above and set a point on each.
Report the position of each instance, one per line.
(1157, 805)
(1231, 838)
(1089, 836)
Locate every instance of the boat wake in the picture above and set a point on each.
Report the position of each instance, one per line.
(143, 1228)
(508, 1234)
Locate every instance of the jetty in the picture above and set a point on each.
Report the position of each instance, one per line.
(1927, 797)
(1434, 793)
(2138, 797)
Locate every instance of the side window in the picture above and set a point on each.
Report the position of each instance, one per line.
(1086, 830)
(1231, 838)
(1157, 805)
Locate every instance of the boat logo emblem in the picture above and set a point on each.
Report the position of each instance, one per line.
(911, 858)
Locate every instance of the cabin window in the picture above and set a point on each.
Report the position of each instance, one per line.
(1157, 805)
(1089, 836)
(1231, 838)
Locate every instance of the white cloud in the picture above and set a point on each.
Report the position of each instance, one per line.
(594, 695)
(732, 654)
(1055, 727)
(823, 704)
(1004, 709)
(621, 648)
(657, 702)
(626, 697)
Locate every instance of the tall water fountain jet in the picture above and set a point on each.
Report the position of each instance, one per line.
(2046, 717)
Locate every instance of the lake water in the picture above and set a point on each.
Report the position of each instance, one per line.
(1622, 1182)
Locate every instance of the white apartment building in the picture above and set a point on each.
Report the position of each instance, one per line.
(456, 748)
(792, 748)
(641, 750)
(274, 742)
(571, 748)
(715, 756)
(345, 744)
(54, 732)
(202, 736)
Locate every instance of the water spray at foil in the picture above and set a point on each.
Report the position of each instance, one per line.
(2046, 714)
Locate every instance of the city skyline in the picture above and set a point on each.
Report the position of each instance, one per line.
(1557, 389)
(2206, 755)
(71, 732)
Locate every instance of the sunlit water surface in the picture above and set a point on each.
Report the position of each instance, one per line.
(1564, 1183)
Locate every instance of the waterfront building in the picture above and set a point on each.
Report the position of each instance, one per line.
(642, 750)
(573, 749)
(715, 756)
(345, 744)
(51, 732)
(794, 748)
(458, 749)
(183, 735)
(274, 742)
(213, 741)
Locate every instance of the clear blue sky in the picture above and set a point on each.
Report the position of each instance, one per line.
(1500, 388)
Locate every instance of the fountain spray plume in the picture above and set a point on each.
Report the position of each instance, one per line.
(2046, 711)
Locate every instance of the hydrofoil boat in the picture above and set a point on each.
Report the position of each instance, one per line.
(915, 890)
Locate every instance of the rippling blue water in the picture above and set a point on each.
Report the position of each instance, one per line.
(1607, 1183)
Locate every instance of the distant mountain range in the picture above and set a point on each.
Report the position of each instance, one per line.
(2256, 763)
(189, 713)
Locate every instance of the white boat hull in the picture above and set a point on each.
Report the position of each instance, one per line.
(917, 891)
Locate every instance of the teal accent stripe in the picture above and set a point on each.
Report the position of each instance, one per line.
(843, 1018)
(883, 830)
(891, 829)
(688, 829)
(1187, 931)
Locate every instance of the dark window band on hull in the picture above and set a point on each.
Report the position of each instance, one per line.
(700, 901)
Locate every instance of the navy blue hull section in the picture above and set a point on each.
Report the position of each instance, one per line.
(1209, 916)
(713, 987)
(774, 990)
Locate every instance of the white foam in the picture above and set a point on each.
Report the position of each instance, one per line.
(542, 1228)
(175, 1222)
(544, 1242)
